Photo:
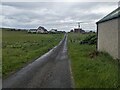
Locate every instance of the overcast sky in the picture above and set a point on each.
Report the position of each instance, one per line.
(60, 15)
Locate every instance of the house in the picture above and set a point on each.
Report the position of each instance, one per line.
(41, 30)
(71, 31)
(108, 33)
(32, 30)
(78, 30)
(53, 31)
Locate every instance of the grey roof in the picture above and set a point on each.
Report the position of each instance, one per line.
(40, 27)
(112, 15)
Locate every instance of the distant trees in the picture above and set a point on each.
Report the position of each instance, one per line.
(13, 29)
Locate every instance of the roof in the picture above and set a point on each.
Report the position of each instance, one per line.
(112, 15)
(40, 27)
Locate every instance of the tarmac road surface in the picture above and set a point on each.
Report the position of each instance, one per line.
(52, 70)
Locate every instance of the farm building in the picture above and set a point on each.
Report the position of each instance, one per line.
(32, 31)
(53, 31)
(108, 33)
(41, 30)
(78, 30)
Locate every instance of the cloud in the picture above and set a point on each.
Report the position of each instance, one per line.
(63, 16)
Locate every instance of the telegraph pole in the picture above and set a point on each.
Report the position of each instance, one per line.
(79, 25)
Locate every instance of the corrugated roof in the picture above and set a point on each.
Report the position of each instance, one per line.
(112, 15)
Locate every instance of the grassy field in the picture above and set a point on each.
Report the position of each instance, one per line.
(19, 48)
(98, 71)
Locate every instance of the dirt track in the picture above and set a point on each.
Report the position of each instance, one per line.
(52, 70)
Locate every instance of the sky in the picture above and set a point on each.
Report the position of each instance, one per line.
(58, 15)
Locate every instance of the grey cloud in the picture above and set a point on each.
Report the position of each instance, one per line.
(61, 15)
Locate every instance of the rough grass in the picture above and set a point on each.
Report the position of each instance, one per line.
(19, 48)
(100, 71)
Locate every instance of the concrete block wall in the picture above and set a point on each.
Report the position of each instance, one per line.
(108, 37)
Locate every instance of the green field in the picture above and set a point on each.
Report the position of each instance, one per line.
(91, 70)
(20, 48)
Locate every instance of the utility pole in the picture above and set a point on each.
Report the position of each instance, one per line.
(79, 25)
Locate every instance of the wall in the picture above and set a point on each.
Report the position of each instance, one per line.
(108, 37)
(119, 37)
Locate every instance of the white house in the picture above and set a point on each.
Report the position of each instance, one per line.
(53, 31)
(41, 30)
(32, 31)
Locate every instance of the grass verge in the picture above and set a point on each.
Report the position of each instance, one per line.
(100, 71)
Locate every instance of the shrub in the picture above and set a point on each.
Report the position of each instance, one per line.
(91, 39)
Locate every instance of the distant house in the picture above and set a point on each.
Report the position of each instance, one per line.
(53, 31)
(108, 33)
(71, 31)
(78, 30)
(32, 31)
(41, 30)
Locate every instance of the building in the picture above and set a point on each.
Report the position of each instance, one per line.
(78, 30)
(108, 33)
(41, 30)
(72, 30)
(32, 31)
(53, 31)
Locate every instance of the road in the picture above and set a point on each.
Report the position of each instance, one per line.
(52, 70)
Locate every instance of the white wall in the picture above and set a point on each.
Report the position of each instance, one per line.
(108, 37)
(119, 37)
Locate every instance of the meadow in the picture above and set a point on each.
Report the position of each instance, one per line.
(91, 69)
(20, 48)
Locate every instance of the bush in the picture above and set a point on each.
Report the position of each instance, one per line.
(91, 39)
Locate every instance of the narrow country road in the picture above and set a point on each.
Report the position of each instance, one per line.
(52, 70)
